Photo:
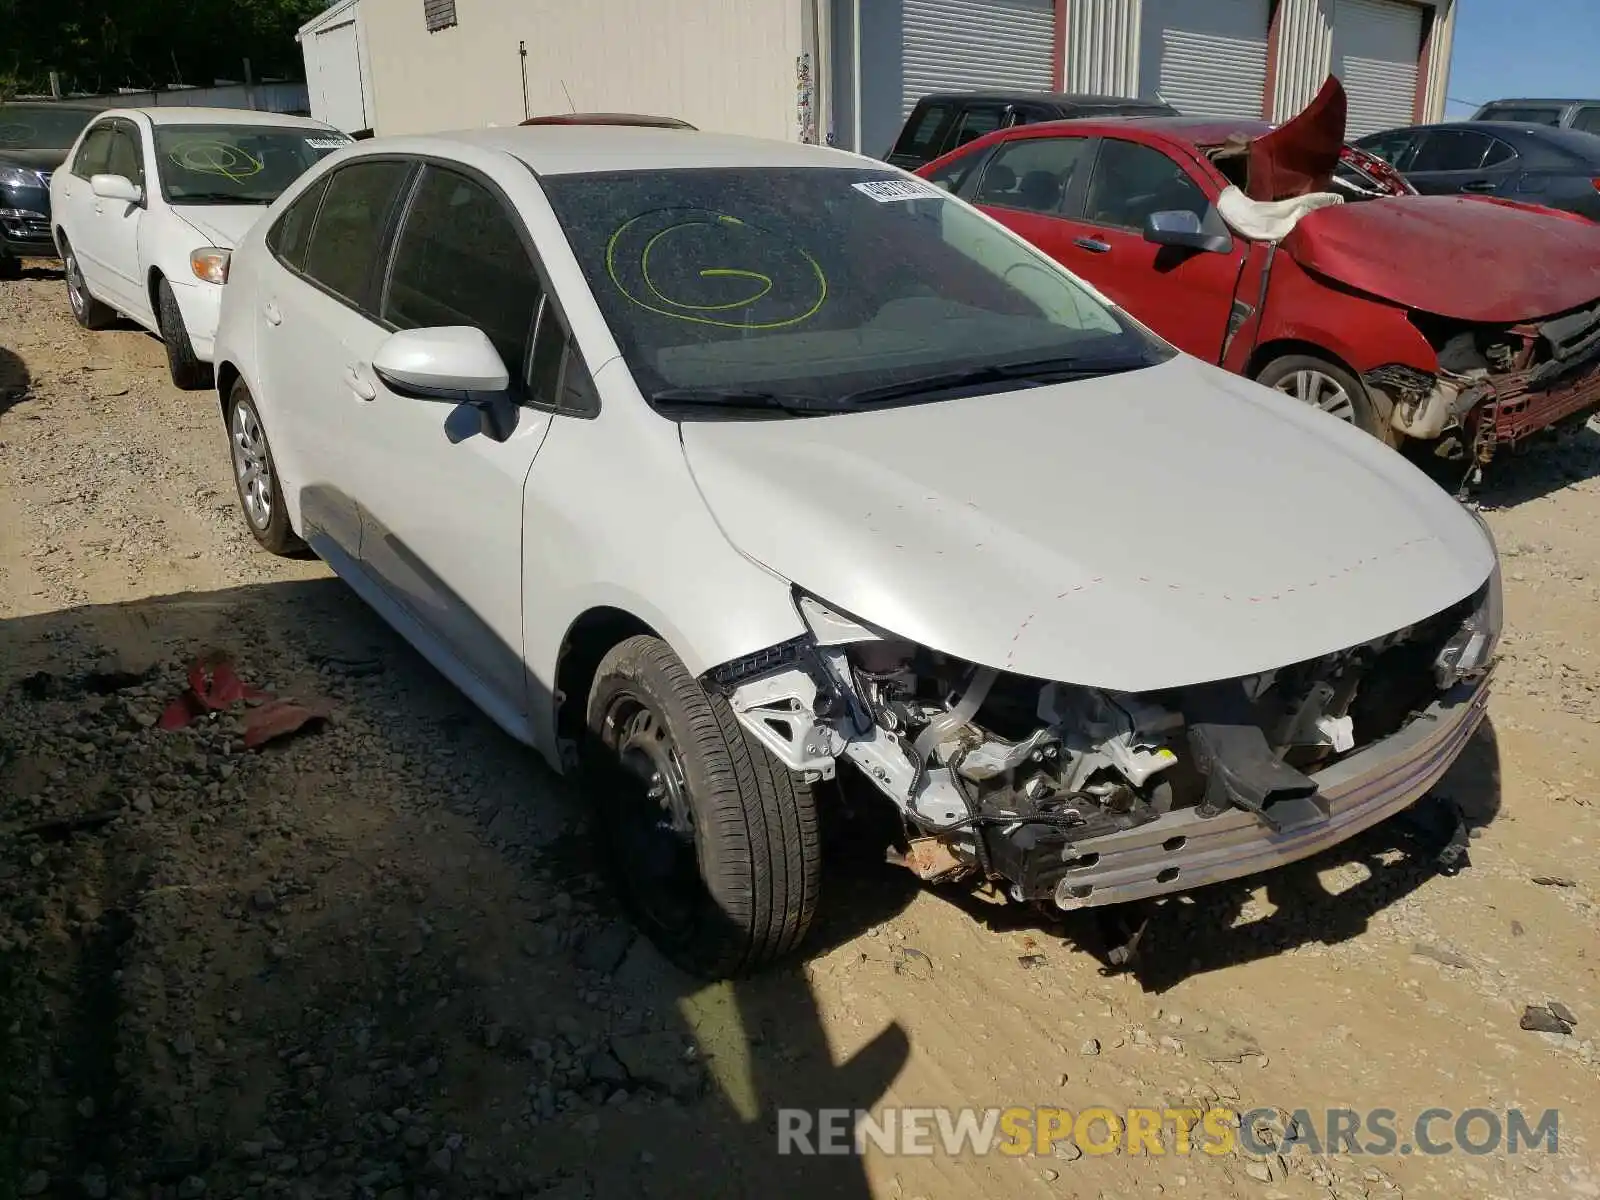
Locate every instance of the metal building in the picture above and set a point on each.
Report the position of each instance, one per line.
(1255, 58)
(849, 70)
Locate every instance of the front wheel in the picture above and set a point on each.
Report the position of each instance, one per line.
(188, 372)
(255, 474)
(713, 843)
(1329, 387)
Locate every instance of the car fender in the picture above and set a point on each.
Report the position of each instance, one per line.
(1357, 330)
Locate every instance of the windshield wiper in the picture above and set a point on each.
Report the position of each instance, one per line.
(1039, 370)
(747, 399)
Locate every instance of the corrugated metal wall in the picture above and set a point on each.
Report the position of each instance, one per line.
(727, 65)
(1103, 47)
(1305, 53)
(1444, 36)
(960, 45)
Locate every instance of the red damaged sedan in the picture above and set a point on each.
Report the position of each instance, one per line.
(1465, 322)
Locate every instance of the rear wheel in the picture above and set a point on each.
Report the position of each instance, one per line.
(1325, 385)
(713, 843)
(255, 474)
(188, 372)
(86, 310)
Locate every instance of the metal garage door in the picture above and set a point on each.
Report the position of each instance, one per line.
(1376, 44)
(954, 45)
(1206, 58)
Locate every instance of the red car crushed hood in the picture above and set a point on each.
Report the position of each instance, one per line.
(1467, 258)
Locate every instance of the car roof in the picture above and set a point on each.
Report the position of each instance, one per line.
(183, 115)
(577, 149)
(1194, 131)
(1534, 100)
(1073, 99)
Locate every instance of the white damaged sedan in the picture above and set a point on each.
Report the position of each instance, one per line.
(722, 469)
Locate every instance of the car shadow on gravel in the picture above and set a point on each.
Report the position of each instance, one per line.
(15, 380)
(373, 960)
(1550, 462)
(1324, 900)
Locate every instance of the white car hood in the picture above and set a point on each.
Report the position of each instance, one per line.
(224, 224)
(1153, 529)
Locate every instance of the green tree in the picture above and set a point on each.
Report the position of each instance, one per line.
(100, 45)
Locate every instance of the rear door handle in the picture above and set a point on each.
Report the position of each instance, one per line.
(357, 383)
(1092, 245)
(272, 313)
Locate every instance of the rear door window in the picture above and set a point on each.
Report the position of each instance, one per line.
(460, 260)
(925, 132)
(1451, 150)
(347, 238)
(1033, 174)
(975, 122)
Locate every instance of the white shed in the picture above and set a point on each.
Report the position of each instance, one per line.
(338, 70)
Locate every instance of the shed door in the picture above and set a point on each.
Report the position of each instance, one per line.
(964, 45)
(338, 80)
(1376, 45)
(1206, 58)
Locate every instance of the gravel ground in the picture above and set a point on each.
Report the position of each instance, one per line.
(373, 960)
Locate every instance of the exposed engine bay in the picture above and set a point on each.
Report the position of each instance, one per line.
(1012, 779)
(1496, 384)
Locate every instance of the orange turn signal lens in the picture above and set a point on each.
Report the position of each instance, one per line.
(210, 263)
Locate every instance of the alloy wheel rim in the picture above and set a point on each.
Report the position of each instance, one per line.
(655, 831)
(1320, 391)
(74, 284)
(250, 465)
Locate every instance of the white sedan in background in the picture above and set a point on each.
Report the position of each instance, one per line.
(720, 468)
(150, 204)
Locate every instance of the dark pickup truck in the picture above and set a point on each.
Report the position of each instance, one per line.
(947, 121)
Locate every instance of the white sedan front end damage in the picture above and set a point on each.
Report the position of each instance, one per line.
(1082, 796)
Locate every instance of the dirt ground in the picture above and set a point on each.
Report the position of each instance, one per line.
(375, 961)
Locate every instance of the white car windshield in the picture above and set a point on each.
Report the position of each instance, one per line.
(824, 289)
(236, 164)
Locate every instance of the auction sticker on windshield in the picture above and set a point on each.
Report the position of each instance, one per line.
(328, 143)
(886, 191)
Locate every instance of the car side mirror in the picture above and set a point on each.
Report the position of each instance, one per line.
(1180, 227)
(117, 187)
(451, 364)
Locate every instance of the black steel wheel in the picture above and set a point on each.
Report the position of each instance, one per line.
(713, 844)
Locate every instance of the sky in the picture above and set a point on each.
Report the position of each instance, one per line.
(1509, 48)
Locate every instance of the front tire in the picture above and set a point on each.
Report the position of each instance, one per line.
(1327, 386)
(713, 843)
(188, 372)
(255, 475)
(86, 310)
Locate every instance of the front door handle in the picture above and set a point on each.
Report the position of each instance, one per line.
(1092, 245)
(272, 313)
(1479, 185)
(357, 383)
